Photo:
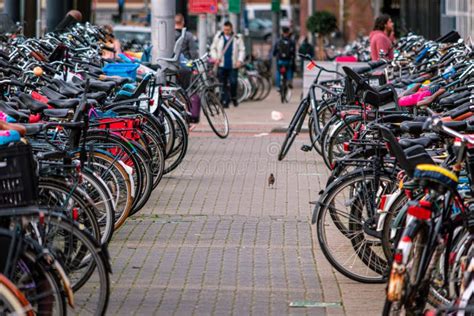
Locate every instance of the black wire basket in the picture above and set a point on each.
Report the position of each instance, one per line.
(18, 180)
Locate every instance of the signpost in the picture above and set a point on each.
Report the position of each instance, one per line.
(202, 7)
(276, 7)
(234, 6)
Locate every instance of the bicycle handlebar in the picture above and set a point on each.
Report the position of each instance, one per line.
(310, 59)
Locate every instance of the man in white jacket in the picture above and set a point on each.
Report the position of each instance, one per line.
(228, 50)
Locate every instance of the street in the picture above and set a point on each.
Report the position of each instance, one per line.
(215, 239)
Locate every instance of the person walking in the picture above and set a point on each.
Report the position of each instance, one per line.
(189, 48)
(285, 53)
(382, 38)
(228, 52)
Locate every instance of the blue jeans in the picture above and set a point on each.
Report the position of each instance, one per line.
(228, 77)
(289, 71)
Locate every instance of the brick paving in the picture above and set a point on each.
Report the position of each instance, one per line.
(214, 239)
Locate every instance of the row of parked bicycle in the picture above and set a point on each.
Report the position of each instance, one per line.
(398, 205)
(81, 149)
(254, 81)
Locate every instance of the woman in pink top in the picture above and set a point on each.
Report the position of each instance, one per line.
(382, 37)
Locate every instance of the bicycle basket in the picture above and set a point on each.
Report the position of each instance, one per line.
(18, 181)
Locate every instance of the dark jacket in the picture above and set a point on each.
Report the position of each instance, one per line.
(292, 49)
(189, 47)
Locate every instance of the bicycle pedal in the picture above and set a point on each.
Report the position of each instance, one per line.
(306, 148)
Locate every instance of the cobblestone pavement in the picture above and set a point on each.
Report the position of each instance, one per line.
(214, 239)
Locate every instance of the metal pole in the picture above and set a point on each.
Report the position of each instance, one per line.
(202, 34)
(38, 18)
(234, 19)
(162, 28)
(12, 9)
(341, 16)
(311, 9)
(212, 24)
(55, 12)
(275, 36)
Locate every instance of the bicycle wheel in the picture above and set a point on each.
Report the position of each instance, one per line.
(84, 261)
(346, 221)
(243, 89)
(12, 300)
(181, 145)
(390, 233)
(165, 117)
(117, 180)
(143, 164)
(102, 199)
(127, 155)
(56, 195)
(283, 90)
(293, 129)
(413, 297)
(333, 148)
(267, 88)
(40, 285)
(215, 114)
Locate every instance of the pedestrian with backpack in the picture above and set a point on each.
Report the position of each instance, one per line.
(285, 53)
(228, 52)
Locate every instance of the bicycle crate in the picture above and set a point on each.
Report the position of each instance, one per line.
(18, 181)
(122, 70)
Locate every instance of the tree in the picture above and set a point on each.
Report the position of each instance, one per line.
(321, 23)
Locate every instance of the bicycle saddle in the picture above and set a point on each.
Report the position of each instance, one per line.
(64, 103)
(33, 129)
(98, 96)
(51, 94)
(377, 98)
(416, 128)
(417, 154)
(450, 101)
(95, 85)
(119, 81)
(31, 104)
(423, 141)
(66, 89)
(8, 110)
(56, 113)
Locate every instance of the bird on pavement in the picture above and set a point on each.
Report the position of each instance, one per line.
(271, 180)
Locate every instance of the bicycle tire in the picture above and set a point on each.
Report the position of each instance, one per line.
(353, 229)
(212, 108)
(118, 181)
(92, 254)
(179, 152)
(86, 216)
(293, 130)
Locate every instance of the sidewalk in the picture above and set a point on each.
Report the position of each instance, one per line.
(256, 116)
(214, 239)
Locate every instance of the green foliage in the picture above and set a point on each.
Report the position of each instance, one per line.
(322, 22)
